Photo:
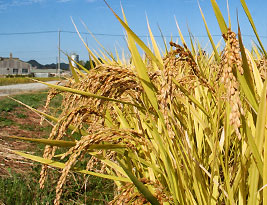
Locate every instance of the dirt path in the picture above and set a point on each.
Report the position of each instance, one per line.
(22, 88)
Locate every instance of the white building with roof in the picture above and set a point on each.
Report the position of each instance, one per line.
(14, 66)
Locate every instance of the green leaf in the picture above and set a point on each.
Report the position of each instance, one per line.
(154, 44)
(261, 119)
(180, 32)
(137, 39)
(244, 5)
(192, 98)
(245, 80)
(58, 143)
(122, 120)
(252, 145)
(256, 73)
(164, 40)
(259, 140)
(80, 66)
(106, 51)
(217, 57)
(60, 165)
(140, 66)
(88, 49)
(219, 16)
(63, 143)
(139, 185)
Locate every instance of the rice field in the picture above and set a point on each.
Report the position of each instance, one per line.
(175, 127)
(21, 80)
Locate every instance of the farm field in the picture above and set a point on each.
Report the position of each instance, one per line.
(18, 176)
(20, 80)
(178, 125)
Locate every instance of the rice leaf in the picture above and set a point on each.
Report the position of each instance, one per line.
(192, 98)
(104, 49)
(265, 165)
(252, 145)
(217, 57)
(245, 80)
(88, 49)
(256, 74)
(140, 67)
(60, 165)
(137, 39)
(139, 185)
(180, 32)
(63, 143)
(80, 66)
(154, 44)
(80, 92)
(123, 122)
(163, 39)
(219, 16)
(259, 139)
(244, 5)
(58, 143)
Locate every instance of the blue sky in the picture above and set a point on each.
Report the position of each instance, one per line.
(26, 16)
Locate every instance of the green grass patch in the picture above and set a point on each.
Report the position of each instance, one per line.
(5, 122)
(21, 115)
(24, 189)
(34, 100)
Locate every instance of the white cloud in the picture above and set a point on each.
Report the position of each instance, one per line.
(4, 5)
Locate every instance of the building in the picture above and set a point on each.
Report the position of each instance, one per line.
(44, 73)
(14, 66)
(74, 60)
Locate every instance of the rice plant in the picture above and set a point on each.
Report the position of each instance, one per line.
(180, 127)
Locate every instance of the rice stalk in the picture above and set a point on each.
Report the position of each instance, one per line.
(183, 128)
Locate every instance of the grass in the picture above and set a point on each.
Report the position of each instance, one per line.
(21, 80)
(23, 189)
(5, 122)
(32, 99)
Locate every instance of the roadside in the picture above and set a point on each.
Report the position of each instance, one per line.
(23, 88)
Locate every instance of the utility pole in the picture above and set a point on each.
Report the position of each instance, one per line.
(58, 67)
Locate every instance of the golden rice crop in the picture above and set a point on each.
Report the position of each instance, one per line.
(181, 127)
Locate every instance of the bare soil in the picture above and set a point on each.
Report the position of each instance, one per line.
(25, 123)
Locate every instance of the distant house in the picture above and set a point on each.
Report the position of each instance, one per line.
(44, 73)
(14, 66)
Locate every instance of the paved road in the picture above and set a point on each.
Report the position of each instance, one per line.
(23, 88)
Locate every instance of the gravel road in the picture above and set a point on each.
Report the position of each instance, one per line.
(23, 88)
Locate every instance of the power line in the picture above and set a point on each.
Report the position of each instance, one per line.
(29, 51)
(112, 35)
(26, 33)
